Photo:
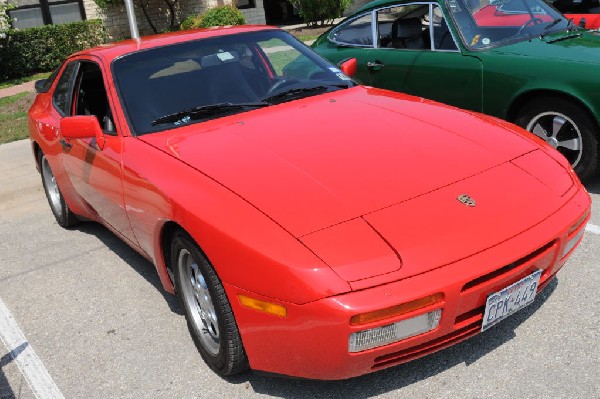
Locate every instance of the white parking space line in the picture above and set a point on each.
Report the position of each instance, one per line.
(22, 353)
(592, 228)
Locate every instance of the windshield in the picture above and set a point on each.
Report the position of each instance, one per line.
(175, 85)
(490, 23)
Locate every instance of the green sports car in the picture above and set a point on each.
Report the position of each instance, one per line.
(519, 60)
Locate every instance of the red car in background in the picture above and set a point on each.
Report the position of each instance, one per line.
(585, 13)
(311, 227)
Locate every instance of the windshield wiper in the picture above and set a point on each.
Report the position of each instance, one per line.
(302, 91)
(550, 25)
(207, 110)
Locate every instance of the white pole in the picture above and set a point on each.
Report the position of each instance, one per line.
(135, 34)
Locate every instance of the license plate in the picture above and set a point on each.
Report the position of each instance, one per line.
(516, 296)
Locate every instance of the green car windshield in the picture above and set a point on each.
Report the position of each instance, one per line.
(491, 23)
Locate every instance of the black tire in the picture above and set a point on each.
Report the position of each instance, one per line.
(207, 310)
(61, 211)
(566, 127)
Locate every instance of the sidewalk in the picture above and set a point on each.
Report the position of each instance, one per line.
(11, 91)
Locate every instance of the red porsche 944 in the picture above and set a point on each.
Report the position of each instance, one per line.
(310, 226)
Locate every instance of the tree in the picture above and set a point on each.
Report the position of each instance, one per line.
(320, 12)
(4, 18)
(168, 24)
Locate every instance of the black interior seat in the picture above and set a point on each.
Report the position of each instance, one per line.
(443, 38)
(408, 33)
(92, 98)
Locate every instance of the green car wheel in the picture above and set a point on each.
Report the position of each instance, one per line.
(567, 128)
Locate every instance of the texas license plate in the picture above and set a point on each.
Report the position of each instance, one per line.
(516, 296)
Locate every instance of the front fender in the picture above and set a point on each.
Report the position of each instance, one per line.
(246, 247)
(508, 79)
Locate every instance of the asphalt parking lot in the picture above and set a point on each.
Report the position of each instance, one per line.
(96, 324)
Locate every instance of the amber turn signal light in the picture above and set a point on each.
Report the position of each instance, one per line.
(397, 310)
(263, 306)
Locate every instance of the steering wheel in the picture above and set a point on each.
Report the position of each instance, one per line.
(282, 82)
(533, 21)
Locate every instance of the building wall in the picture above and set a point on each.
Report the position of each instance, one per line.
(117, 25)
(256, 15)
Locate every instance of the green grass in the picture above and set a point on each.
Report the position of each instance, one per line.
(306, 38)
(18, 81)
(13, 117)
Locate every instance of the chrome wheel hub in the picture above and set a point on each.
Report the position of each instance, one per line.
(560, 132)
(51, 188)
(197, 297)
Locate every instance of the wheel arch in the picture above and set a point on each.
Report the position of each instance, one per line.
(163, 264)
(526, 97)
(37, 150)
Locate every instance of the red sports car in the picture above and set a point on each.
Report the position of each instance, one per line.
(311, 227)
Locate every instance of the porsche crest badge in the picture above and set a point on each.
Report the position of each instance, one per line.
(466, 200)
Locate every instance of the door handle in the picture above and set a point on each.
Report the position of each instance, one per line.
(65, 144)
(375, 65)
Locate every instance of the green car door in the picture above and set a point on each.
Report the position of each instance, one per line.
(413, 52)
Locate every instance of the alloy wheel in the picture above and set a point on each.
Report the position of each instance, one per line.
(54, 195)
(198, 299)
(560, 132)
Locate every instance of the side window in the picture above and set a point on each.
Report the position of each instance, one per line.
(404, 27)
(62, 94)
(356, 33)
(90, 96)
(442, 38)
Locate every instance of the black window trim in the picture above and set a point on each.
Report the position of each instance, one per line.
(69, 91)
(347, 22)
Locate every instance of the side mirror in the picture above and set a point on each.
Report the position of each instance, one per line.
(40, 86)
(348, 66)
(82, 127)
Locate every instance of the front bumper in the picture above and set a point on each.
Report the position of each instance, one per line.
(312, 341)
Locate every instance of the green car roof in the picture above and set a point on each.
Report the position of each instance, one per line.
(375, 4)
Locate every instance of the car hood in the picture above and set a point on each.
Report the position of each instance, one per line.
(579, 46)
(315, 162)
(353, 173)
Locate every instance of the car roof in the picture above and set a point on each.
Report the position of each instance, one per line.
(378, 3)
(111, 51)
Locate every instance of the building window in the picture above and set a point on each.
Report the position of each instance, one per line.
(31, 13)
(245, 3)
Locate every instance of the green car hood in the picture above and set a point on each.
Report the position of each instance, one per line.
(580, 46)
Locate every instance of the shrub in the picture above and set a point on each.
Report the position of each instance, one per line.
(315, 12)
(24, 52)
(190, 22)
(217, 16)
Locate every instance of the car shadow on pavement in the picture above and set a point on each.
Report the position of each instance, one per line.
(141, 265)
(6, 391)
(5, 388)
(397, 377)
